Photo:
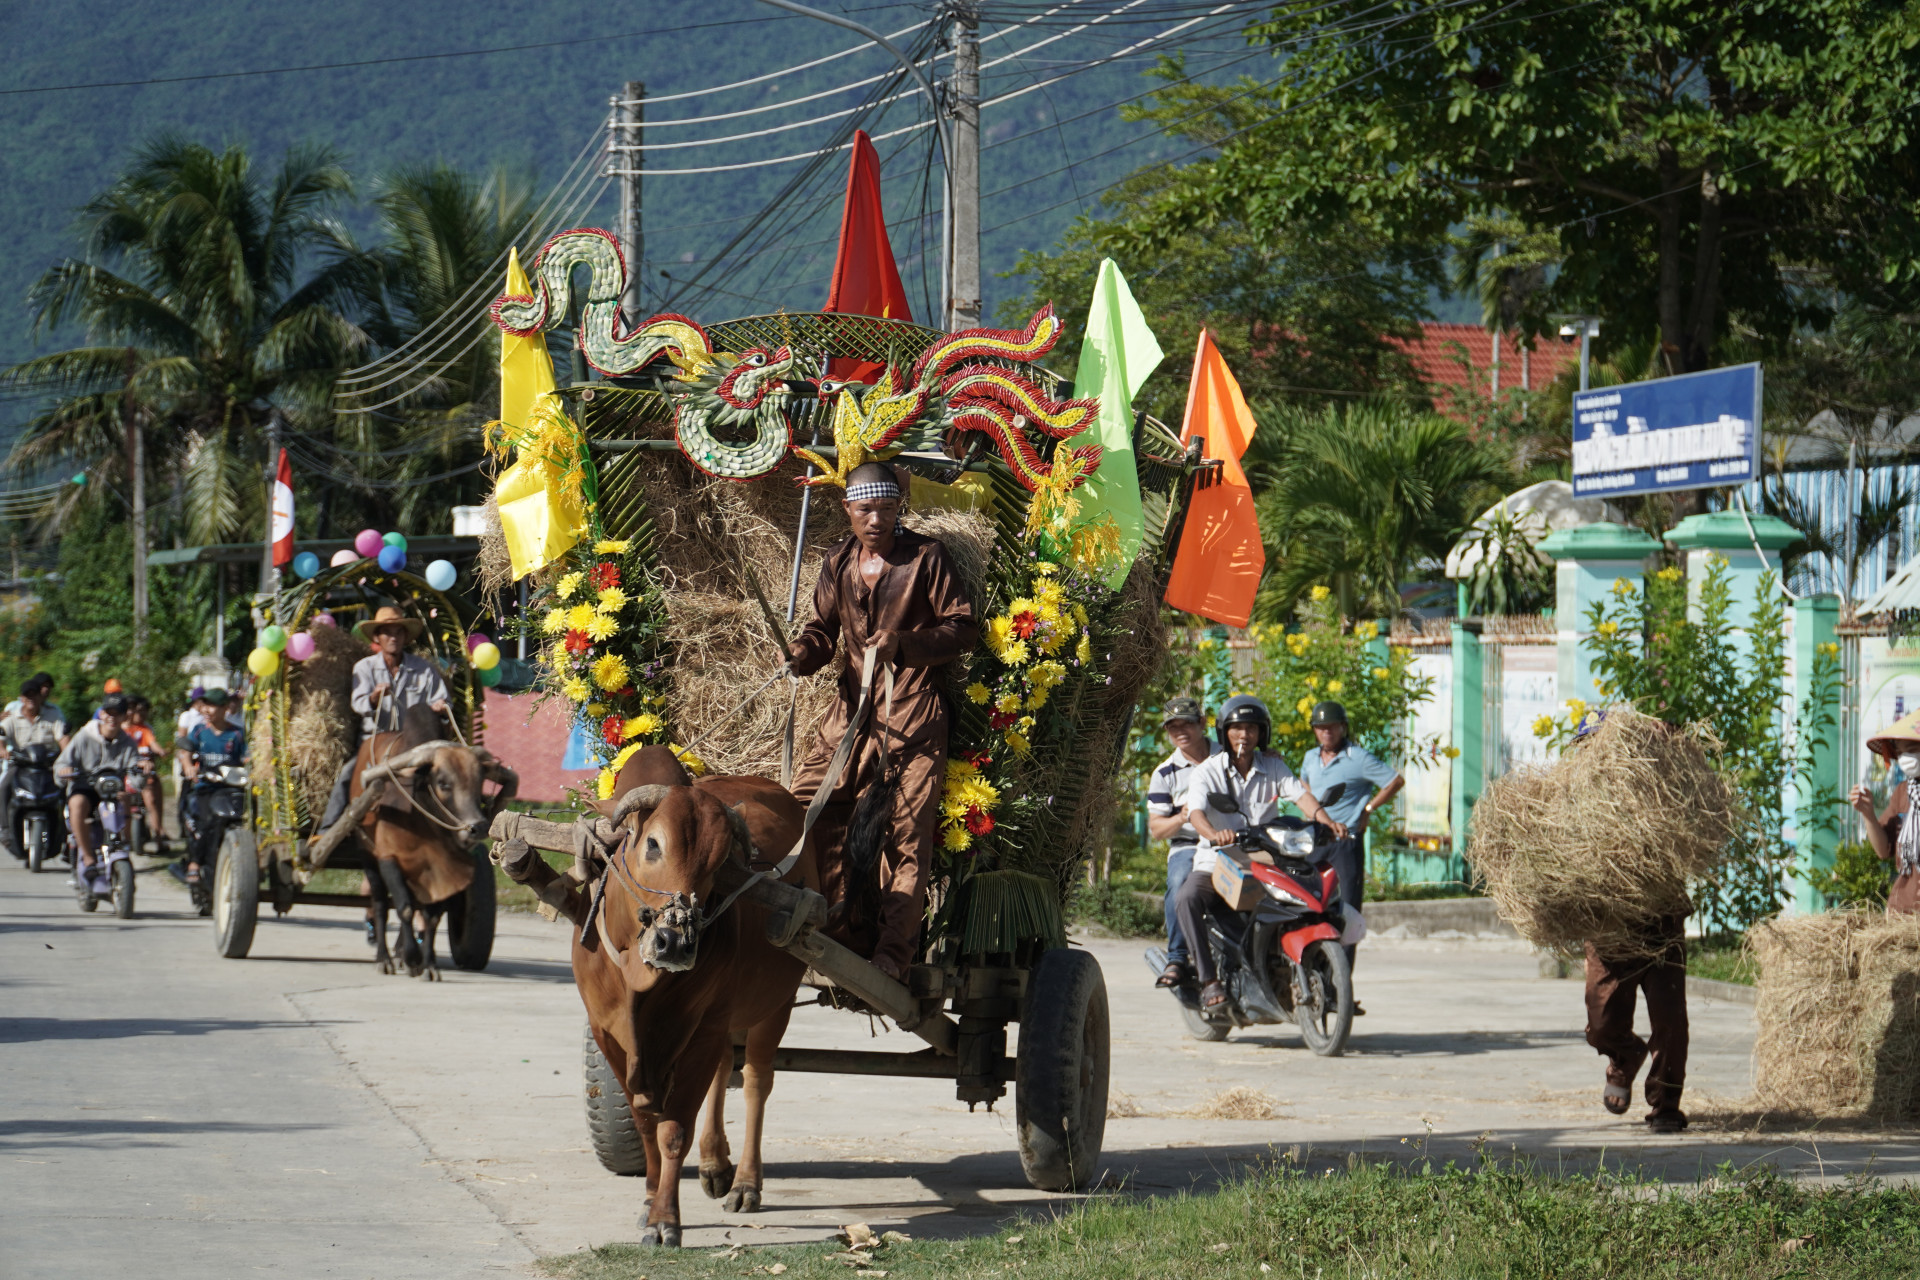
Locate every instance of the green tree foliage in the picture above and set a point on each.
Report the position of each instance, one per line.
(1362, 497)
(1293, 313)
(1684, 151)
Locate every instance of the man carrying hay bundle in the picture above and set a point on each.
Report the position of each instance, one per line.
(895, 592)
(1895, 837)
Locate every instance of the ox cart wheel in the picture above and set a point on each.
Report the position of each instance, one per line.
(609, 1119)
(1060, 1086)
(470, 917)
(236, 894)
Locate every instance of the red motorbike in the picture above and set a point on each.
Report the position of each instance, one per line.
(1282, 959)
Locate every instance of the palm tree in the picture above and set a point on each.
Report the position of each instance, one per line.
(1360, 497)
(211, 301)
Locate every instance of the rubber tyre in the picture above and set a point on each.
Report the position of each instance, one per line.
(470, 918)
(1200, 1029)
(35, 836)
(236, 893)
(1060, 1083)
(122, 876)
(1326, 963)
(609, 1119)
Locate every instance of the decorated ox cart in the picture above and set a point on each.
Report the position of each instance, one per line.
(302, 729)
(686, 484)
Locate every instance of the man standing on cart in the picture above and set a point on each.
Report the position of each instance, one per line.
(892, 591)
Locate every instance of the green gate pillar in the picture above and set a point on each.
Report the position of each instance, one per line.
(1220, 679)
(1750, 544)
(1469, 726)
(1588, 560)
(1816, 815)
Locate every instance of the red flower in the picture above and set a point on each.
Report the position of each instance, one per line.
(627, 692)
(612, 729)
(1025, 624)
(605, 575)
(979, 759)
(979, 821)
(578, 642)
(1003, 719)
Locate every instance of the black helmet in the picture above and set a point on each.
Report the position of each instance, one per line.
(1244, 708)
(1328, 713)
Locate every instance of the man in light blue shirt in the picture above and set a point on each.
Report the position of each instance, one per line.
(1367, 784)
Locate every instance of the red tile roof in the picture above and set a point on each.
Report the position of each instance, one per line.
(1436, 358)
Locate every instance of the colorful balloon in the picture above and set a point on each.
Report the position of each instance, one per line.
(306, 564)
(367, 542)
(300, 646)
(344, 555)
(274, 638)
(490, 676)
(486, 656)
(441, 574)
(477, 639)
(392, 559)
(395, 539)
(323, 620)
(263, 662)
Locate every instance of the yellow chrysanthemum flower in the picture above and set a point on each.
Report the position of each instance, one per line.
(611, 774)
(1320, 593)
(1015, 653)
(694, 764)
(612, 600)
(1038, 700)
(956, 839)
(567, 586)
(999, 635)
(1007, 703)
(1084, 650)
(601, 627)
(610, 672)
(574, 689)
(1020, 606)
(579, 616)
(1017, 742)
(610, 547)
(635, 726)
(1080, 614)
(596, 708)
(1045, 568)
(978, 694)
(555, 622)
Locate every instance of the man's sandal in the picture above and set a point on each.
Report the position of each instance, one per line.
(1173, 975)
(1616, 1098)
(1213, 996)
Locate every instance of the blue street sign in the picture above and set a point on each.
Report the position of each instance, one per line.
(1694, 431)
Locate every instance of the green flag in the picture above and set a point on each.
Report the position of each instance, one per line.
(1118, 354)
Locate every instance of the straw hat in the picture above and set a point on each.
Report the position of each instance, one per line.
(1885, 743)
(387, 615)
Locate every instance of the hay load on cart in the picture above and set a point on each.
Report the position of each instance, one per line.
(691, 491)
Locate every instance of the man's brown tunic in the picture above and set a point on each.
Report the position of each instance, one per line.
(920, 597)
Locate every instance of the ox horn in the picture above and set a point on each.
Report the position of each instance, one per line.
(641, 798)
(412, 758)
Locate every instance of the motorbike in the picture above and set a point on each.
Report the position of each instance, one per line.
(224, 787)
(1282, 961)
(114, 820)
(39, 806)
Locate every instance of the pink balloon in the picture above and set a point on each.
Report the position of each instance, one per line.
(323, 620)
(343, 556)
(300, 646)
(475, 640)
(368, 542)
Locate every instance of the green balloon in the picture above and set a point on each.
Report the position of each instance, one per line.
(395, 540)
(490, 676)
(273, 637)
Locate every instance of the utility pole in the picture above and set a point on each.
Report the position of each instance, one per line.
(963, 309)
(629, 117)
(137, 480)
(270, 576)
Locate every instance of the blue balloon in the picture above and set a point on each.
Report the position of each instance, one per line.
(395, 540)
(441, 574)
(306, 564)
(392, 559)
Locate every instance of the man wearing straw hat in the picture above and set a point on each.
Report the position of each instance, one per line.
(1894, 835)
(385, 684)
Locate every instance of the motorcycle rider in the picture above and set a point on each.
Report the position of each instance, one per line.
(138, 709)
(24, 727)
(102, 744)
(1185, 725)
(1340, 760)
(217, 737)
(1257, 780)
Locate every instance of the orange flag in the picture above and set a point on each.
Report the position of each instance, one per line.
(865, 279)
(1217, 568)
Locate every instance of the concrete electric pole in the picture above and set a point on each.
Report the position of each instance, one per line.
(963, 309)
(629, 118)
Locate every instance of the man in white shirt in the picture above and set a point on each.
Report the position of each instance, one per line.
(385, 683)
(1254, 780)
(1185, 725)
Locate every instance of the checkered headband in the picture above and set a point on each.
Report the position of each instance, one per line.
(870, 489)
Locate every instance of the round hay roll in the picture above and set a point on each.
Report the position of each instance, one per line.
(1599, 845)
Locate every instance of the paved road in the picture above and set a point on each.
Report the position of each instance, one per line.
(170, 1113)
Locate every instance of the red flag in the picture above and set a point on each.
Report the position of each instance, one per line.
(281, 533)
(1218, 566)
(865, 280)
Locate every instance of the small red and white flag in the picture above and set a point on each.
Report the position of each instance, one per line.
(282, 533)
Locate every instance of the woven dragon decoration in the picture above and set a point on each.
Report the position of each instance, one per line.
(749, 389)
(607, 349)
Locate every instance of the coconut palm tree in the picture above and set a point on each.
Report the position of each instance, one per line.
(1360, 497)
(212, 298)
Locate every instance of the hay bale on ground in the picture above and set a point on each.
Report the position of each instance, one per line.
(1839, 1015)
(1599, 845)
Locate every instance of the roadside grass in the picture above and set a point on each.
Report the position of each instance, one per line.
(1722, 958)
(1376, 1220)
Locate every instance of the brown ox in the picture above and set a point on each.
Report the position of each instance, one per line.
(421, 832)
(671, 973)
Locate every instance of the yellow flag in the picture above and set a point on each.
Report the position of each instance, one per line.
(539, 519)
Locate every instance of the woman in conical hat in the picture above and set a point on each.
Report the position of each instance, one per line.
(1893, 834)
